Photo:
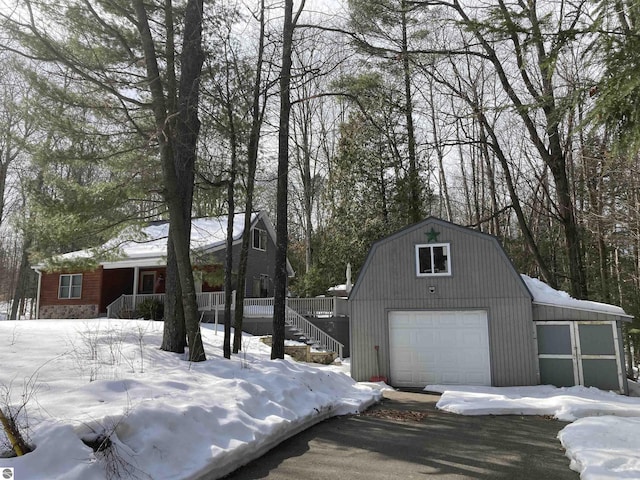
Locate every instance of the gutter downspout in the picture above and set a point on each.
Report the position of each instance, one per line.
(38, 293)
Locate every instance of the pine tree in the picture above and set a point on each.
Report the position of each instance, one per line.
(110, 56)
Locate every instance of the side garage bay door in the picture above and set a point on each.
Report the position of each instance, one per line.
(439, 347)
(580, 353)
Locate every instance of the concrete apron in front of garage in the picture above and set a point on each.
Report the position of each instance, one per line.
(406, 437)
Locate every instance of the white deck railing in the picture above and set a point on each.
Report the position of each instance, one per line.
(129, 303)
(254, 307)
(297, 309)
(313, 307)
(207, 301)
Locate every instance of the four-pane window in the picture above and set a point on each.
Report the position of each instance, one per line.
(70, 286)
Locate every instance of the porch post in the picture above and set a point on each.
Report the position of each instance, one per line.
(214, 300)
(136, 276)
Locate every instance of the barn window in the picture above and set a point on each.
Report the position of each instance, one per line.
(70, 286)
(259, 239)
(433, 259)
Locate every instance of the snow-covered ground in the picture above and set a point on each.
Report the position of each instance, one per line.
(603, 442)
(167, 418)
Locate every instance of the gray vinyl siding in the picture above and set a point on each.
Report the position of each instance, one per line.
(482, 278)
(550, 313)
(622, 357)
(259, 262)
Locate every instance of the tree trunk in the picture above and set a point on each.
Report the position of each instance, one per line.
(444, 189)
(415, 203)
(177, 141)
(228, 267)
(187, 129)
(228, 264)
(280, 276)
(252, 161)
(174, 337)
(4, 167)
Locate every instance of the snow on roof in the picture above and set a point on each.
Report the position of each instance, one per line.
(544, 294)
(206, 233)
(151, 241)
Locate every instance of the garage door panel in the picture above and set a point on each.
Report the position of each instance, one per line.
(429, 347)
(403, 339)
(470, 339)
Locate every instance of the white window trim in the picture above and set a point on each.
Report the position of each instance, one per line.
(431, 245)
(71, 275)
(262, 234)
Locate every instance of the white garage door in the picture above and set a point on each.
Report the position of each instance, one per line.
(447, 348)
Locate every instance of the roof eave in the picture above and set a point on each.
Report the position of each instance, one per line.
(625, 316)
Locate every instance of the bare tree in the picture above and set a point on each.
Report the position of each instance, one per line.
(282, 231)
(522, 42)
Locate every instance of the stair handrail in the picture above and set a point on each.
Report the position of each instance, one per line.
(312, 332)
(115, 307)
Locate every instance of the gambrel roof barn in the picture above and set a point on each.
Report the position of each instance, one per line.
(437, 303)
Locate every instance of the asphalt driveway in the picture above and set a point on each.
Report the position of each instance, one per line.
(406, 437)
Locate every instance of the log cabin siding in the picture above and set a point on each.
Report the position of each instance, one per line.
(482, 278)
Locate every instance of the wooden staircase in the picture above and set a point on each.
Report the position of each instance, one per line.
(308, 333)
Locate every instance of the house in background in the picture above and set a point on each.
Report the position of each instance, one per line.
(437, 303)
(141, 268)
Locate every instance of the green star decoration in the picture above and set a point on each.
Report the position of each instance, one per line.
(432, 236)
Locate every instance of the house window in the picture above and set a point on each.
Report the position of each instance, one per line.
(259, 239)
(433, 259)
(70, 286)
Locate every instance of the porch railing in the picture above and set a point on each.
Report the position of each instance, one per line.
(130, 303)
(207, 301)
(213, 300)
(313, 307)
(297, 309)
(307, 307)
(258, 307)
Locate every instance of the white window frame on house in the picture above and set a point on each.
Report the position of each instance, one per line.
(434, 261)
(73, 283)
(261, 243)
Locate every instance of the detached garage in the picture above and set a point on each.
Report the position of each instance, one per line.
(437, 303)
